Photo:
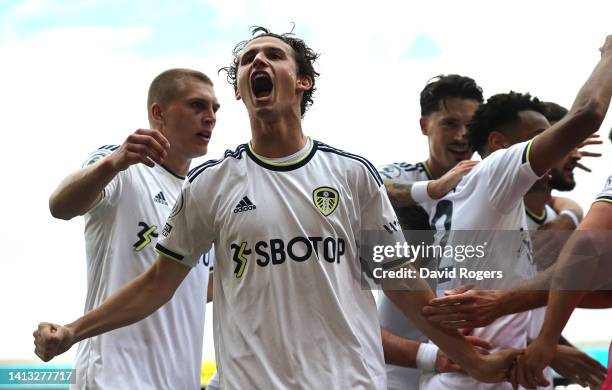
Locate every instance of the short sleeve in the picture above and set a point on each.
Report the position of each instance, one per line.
(390, 171)
(509, 176)
(112, 189)
(380, 227)
(606, 193)
(188, 232)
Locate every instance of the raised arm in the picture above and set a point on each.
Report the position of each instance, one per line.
(83, 189)
(131, 303)
(583, 119)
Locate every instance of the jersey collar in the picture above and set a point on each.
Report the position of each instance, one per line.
(285, 166)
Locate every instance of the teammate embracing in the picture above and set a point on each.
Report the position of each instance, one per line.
(448, 103)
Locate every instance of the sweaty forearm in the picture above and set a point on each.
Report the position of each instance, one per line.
(80, 191)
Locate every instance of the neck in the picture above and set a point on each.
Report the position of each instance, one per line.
(177, 164)
(174, 161)
(535, 201)
(279, 138)
(436, 170)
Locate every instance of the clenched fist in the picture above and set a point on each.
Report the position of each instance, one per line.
(52, 340)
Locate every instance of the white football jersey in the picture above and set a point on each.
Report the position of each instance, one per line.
(390, 317)
(606, 193)
(487, 206)
(290, 310)
(535, 221)
(163, 351)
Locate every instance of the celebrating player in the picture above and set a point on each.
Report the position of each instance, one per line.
(126, 193)
(286, 220)
(489, 200)
(447, 105)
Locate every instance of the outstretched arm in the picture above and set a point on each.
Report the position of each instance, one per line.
(561, 303)
(583, 119)
(82, 190)
(131, 303)
(405, 352)
(491, 368)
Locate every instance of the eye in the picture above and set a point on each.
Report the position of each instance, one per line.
(247, 58)
(198, 105)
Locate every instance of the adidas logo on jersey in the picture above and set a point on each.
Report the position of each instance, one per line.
(244, 205)
(160, 198)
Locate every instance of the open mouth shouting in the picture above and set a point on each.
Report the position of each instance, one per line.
(261, 85)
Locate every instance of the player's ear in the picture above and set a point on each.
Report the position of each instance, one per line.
(424, 123)
(236, 92)
(157, 112)
(304, 83)
(497, 140)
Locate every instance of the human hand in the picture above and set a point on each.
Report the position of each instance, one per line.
(529, 368)
(52, 340)
(440, 187)
(577, 366)
(592, 140)
(465, 307)
(143, 146)
(495, 367)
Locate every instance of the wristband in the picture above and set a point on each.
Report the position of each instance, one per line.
(419, 193)
(571, 215)
(426, 357)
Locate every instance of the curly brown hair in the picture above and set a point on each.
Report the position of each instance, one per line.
(304, 58)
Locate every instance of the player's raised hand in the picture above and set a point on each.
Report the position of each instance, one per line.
(592, 140)
(51, 340)
(465, 307)
(142, 146)
(440, 187)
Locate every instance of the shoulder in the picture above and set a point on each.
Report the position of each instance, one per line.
(100, 153)
(404, 171)
(350, 161)
(213, 166)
